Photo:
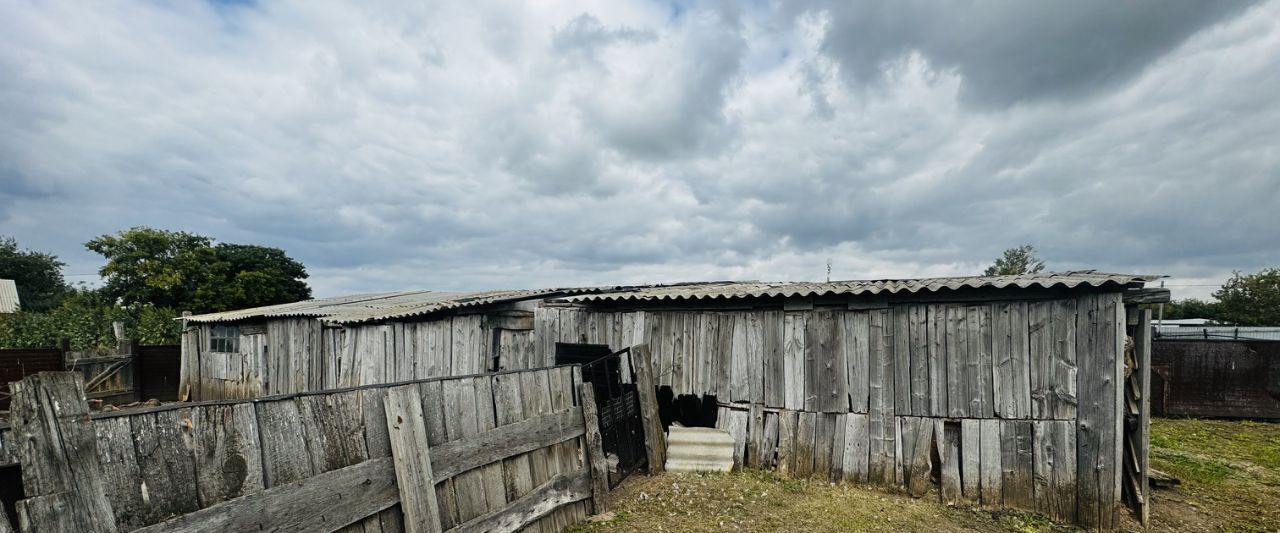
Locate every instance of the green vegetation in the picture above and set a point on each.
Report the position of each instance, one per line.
(1016, 260)
(150, 277)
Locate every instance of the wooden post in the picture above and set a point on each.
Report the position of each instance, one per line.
(655, 441)
(407, 429)
(1142, 351)
(596, 464)
(59, 457)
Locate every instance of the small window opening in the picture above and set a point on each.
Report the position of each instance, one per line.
(225, 339)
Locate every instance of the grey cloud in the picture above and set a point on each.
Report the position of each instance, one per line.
(1010, 52)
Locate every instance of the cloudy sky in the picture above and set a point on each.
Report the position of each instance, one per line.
(476, 145)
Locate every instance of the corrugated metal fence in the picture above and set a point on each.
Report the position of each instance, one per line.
(15, 364)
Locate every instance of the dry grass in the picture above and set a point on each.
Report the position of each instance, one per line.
(1230, 472)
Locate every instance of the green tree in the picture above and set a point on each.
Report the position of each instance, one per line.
(38, 275)
(179, 270)
(1189, 308)
(1016, 260)
(1251, 300)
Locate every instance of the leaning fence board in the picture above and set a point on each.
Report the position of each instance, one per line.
(647, 394)
(324, 502)
(407, 429)
(563, 489)
(594, 450)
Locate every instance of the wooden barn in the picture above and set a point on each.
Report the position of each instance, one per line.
(1008, 391)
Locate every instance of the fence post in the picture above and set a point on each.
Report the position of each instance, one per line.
(596, 464)
(59, 457)
(654, 441)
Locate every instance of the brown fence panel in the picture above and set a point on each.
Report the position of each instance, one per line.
(18, 363)
(1220, 378)
(158, 372)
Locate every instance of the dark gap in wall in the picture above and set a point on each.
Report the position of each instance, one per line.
(687, 409)
(11, 491)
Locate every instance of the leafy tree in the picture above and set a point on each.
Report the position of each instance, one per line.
(38, 275)
(1190, 308)
(85, 318)
(180, 270)
(1016, 260)
(1251, 300)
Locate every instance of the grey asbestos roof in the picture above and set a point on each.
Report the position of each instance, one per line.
(380, 306)
(9, 297)
(392, 305)
(753, 289)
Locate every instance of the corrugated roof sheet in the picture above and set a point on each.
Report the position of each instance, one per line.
(9, 297)
(382, 306)
(392, 305)
(754, 289)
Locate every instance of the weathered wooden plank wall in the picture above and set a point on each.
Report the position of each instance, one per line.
(862, 394)
(182, 467)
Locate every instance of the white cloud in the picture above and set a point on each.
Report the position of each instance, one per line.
(484, 145)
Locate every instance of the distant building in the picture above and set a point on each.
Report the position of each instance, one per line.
(9, 297)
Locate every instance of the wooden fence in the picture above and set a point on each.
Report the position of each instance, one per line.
(493, 452)
(1220, 378)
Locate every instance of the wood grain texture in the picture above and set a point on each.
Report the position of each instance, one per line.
(978, 365)
(856, 448)
(881, 423)
(228, 458)
(936, 319)
(774, 349)
(1017, 464)
(949, 453)
(918, 343)
(407, 430)
(457, 456)
(793, 356)
(990, 457)
(755, 435)
(1055, 469)
(970, 460)
(166, 463)
(857, 342)
(957, 346)
(1052, 359)
(1099, 345)
(563, 489)
(806, 437)
(654, 438)
(901, 360)
(786, 455)
(596, 464)
(325, 502)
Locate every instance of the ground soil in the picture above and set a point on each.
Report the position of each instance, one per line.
(1230, 473)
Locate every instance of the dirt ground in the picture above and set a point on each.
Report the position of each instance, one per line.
(1230, 472)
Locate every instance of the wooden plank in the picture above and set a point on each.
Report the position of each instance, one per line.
(735, 422)
(655, 441)
(837, 448)
(814, 353)
(806, 436)
(970, 460)
(460, 423)
(563, 489)
(920, 456)
(992, 471)
(835, 396)
(166, 463)
(724, 356)
(1052, 359)
(378, 443)
(949, 453)
(856, 448)
(918, 332)
(708, 326)
(58, 453)
(824, 445)
(1098, 349)
(433, 410)
(333, 425)
(937, 356)
(901, 348)
(517, 473)
(1142, 350)
(740, 366)
(881, 422)
(120, 471)
(979, 362)
(407, 430)
(474, 451)
(324, 502)
(495, 490)
(755, 435)
(228, 459)
(1055, 469)
(787, 425)
(957, 346)
(596, 464)
(857, 342)
(774, 347)
(284, 446)
(793, 360)
(769, 443)
(1016, 462)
